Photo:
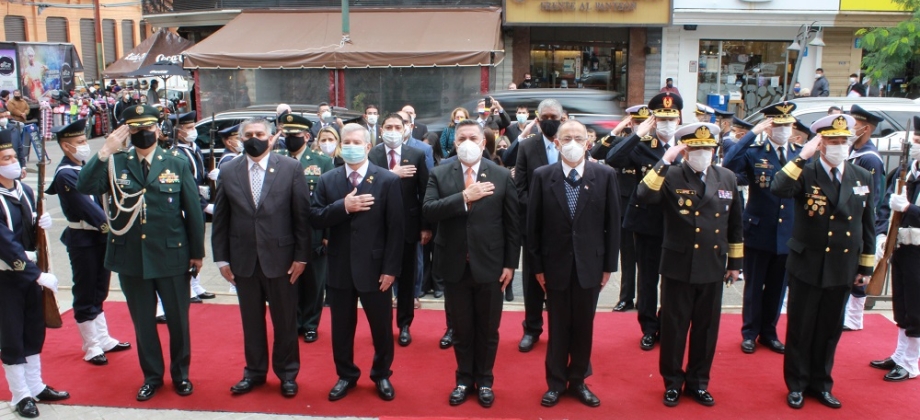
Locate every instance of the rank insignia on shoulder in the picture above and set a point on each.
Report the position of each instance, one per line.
(175, 153)
(160, 157)
(19, 265)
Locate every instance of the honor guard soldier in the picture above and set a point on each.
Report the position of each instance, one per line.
(724, 121)
(704, 113)
(702, 246)
(833, 236)
(739, 129)
(638, 153)
(311, 287)
(156, 238)
(905, 265)
(84, 237)
(22, 318)
(864, 154)
(233, 147)
(801, 133)
(767, 224)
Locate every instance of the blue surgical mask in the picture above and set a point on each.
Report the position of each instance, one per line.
(354, 153)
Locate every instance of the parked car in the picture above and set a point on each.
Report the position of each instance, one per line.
(595, 80)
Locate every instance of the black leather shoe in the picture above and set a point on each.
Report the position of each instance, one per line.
(774, 345)
(527, 342)
(623, 306)
(550, 398)
(27, 408)
(340, 390)
(246, 385)
(795, 399)
(385, 390)
(147, 392)
(438, 294)
(897, 374)
(701, 396)
(647, 342)
(184, 388)
(51, 394)
(747, 346)
(886, 364)
(207, 295)
(585, 395)
(161, 319)
(289, 388)
(671, 397)
(404, 337)
(486, 396)
(310, 336)
(196, 299)
(509, 294)
(122, 346)
(448, 339)
(458, 395)
(827, 399)
(99, 360)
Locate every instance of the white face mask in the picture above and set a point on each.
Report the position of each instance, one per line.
(469, 152)
(4, 121)
(372, 119)
(573, 152)
(818, 75)
(666, 129)
(326, 116)
(191, 135)
(456, 120)
(327, 147)
(835, 155)
(354, 153)
(407, 132)
(781, 134)
(83, 153)
(699, 160)
(914, 151)
(852, 80)
(393, 139)
(11, 171)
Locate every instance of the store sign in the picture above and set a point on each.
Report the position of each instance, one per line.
(870, 5)
(610, 13)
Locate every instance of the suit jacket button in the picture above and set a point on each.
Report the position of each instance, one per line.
(848, 233)
(828, 249)
(696, 214)
(717, 214)
(717, 230)
(830, 233)
(696, 246)
(846, 250)
(715, 247)
(849, 217)
(781, 220)
(781, 206)
(143, 236)
(697, 230)
(832, 217)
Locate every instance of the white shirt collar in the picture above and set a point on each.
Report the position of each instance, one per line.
(579, 169)
(362, 171)
(149, 157)
(777, 146)
(827, 168)
(475, 167)
(398, 151)
(263, 163)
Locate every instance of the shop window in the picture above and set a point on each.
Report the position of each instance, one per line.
(578, 66)
(750, 72)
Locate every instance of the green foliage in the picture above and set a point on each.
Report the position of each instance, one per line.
(889, 50)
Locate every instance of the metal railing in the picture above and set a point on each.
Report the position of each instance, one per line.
(152, 7)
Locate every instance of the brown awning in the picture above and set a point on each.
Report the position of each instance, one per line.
(163, 45)
(378, 38)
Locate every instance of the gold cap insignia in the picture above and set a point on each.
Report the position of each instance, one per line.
(785, 108)
(290, 118)
(839, 123)
(139, 110)
(668, 102)
(703, 133)
(643, 112)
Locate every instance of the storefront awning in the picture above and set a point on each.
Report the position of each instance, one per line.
(378, 38)
(162, 45)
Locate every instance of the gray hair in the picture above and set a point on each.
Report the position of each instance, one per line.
(352, 127)
(574, 122)
(256, 120)
(550, 103)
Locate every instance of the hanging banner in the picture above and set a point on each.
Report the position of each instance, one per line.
(8, 79)
(45, 68)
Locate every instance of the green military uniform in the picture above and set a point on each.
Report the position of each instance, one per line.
(156, 227)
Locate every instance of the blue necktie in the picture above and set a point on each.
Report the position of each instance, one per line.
(551, 154)
(571, 190)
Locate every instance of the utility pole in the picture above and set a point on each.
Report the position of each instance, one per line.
(346, 23)
(100, 56)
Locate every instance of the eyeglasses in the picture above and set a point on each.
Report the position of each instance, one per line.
(569, 139)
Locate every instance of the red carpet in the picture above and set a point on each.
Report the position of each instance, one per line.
(626, 378)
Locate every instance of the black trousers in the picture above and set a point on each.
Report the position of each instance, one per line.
(405, 290)
(648, 259)
(141, 296)
(693, 308)
(905, 288)
(379, 313)
(311, 291)
(764, 287)
(22, 320)
(571, 333)
(627, 266)
(475, 313)
(90, 281)
(814, 325)
(534, 296)
(253, 293)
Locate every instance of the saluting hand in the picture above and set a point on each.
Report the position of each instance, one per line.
(355, 203)
(115, 141)
(810, 148)
(762, 126)
(673, 152)
(478, 190)
(622, 125)
(646, 127)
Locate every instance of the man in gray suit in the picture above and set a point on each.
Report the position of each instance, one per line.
(261, 242)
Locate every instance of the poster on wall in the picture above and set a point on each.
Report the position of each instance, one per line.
(8, 79)
(45, 68)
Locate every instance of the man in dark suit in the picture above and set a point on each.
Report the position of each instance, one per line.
(417, 133)
(326, 119)
(832, 247)
(371, 115)
(573, 225)
(477, 248)
(261, 243)
(409, 165)
(361, 205)
(534, 152)
(702, 208)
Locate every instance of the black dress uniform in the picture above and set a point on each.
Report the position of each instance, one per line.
(767, 228)
(832, 240)
(196, 163)
(702, 239)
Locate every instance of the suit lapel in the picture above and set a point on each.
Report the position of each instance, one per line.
(824, 181)
(584, 190)
(269, 178)
(540, 145)
(846, 185)
(367, 182)
(557, 185)
(712, 185)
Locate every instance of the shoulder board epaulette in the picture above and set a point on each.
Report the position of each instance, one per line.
(530, 135)
(319, 152)
(647, 138)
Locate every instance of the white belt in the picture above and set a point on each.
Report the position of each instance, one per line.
(909, 236)
(29, 254)
(81, 225)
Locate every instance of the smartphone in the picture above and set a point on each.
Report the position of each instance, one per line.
(488, 102)
(193, 271)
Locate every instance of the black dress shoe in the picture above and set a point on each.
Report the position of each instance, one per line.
(897, 374)
(51, 394)
(647, 342)
(671, 397)
(527, 342)
(184, 388)
(207, 295)
(623, 306)
(486, 396)
(701, 396)
(404, 337)
(340, 389)
(448, 339)
(747, 346)
(438, 294)
(385, 390)
(585, 395)
(827, 399)
(99, 360)
(886, 364)
(246, 385)
(509, 294)
(122, 346)
(458, 395)
(795, 399)
(774, 345)
(310, 336)
(147, 392)
(289, 388)
(27, 408)
(161, 319)
(196, 299)
(550, 398)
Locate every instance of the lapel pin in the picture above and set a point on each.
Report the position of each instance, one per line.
(482, 175)
(130, 157)
(160, 157)
(586, 186)
(271, 170)
(370, 179)
(405, 160)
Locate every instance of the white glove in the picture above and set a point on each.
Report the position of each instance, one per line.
(880, 247)
(44, 222)
(213, 174)
(209, 209)
(48, 280)
(31, 256)
(898, 202)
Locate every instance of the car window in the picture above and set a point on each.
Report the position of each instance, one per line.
(809, 118)
(204, 132)
(894, 121)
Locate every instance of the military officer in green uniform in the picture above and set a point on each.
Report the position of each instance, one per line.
(313, 282)
(156, 238)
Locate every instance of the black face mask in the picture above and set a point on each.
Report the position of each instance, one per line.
(18, 97)
(550, 127)
(294, 143)
(143, 139)
(255, 147)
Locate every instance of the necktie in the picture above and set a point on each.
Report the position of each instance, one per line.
(146, 168)
(392, 159)
(551, 154)
(470, 178)
(702, 183)
(354, 179)
(834, 179)
(571, 190)
(782, 156)
(255, 182)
